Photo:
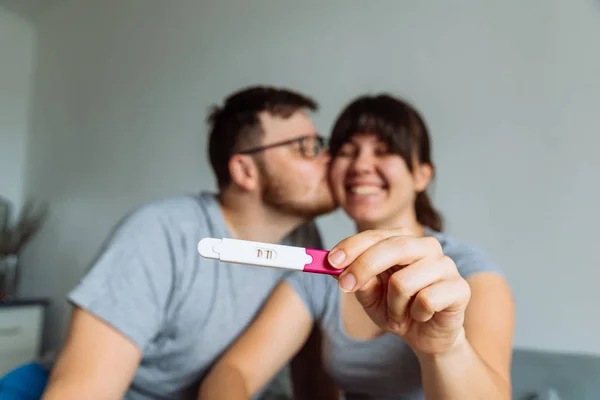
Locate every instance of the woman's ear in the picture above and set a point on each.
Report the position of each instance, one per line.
(422, 176)
(243, 171)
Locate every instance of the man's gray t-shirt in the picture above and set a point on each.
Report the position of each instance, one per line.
(182, 310)
(384, 367)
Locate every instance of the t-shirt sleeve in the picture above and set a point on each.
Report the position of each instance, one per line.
(315, 290)
(471, 260)
(129, 284)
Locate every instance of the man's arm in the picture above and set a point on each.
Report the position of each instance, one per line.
(96, 362)
(270, 342)
(120, 305)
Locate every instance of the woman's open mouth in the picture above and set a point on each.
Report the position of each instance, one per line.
(363, 190)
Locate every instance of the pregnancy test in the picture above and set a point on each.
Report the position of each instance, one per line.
(267, 255)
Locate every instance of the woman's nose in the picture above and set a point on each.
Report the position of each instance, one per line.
(363, 162)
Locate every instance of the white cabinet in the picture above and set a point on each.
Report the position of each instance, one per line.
(21, 325)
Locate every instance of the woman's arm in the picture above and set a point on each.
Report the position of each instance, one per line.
(460, 330)
(258, 354)
(478, 367)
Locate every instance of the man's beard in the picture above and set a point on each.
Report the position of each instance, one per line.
(279, 194)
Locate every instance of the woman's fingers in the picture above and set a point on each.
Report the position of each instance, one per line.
(372, 294)
(406, 283)
(448, 296)
(385, 254)
(346, 251)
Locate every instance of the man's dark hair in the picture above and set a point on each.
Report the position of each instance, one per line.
(236, 125)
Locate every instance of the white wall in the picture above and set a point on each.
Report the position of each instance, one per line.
(17, 46)
(510, 91)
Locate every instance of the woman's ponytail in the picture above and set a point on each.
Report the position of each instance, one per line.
(426, 214)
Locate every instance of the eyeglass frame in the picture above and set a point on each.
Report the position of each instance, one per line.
(322, 144)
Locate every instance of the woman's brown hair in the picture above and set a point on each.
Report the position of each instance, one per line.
(400, 126)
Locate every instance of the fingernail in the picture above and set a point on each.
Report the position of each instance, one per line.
(336, 258)
(347, 282)
(394, 326)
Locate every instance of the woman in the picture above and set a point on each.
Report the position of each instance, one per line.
(414, 314)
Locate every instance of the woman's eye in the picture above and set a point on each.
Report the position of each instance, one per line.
(346, 152)
(382, 151)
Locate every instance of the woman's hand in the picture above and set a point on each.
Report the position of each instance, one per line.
(406, 285)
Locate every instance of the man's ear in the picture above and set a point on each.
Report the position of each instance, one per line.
(422, 175)
(243, 171)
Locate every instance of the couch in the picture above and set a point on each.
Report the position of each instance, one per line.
(543, 375)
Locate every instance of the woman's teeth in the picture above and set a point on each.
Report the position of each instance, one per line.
(365, 190)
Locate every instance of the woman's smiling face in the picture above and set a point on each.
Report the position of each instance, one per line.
(372, 184)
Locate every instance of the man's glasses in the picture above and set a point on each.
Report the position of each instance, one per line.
(310, 146)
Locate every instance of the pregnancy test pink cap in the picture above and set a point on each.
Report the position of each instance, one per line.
(319, 264)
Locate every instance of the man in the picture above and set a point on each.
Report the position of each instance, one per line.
(151, 316)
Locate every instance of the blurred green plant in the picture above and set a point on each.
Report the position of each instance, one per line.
(14, 237)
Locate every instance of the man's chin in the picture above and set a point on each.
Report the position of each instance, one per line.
(324, 206)
(306, 208)
(313, 210)
(321, 211)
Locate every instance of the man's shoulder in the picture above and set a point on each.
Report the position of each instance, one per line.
(177, 205)
(175, 211)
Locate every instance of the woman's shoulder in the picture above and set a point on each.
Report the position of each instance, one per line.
(469, 258)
